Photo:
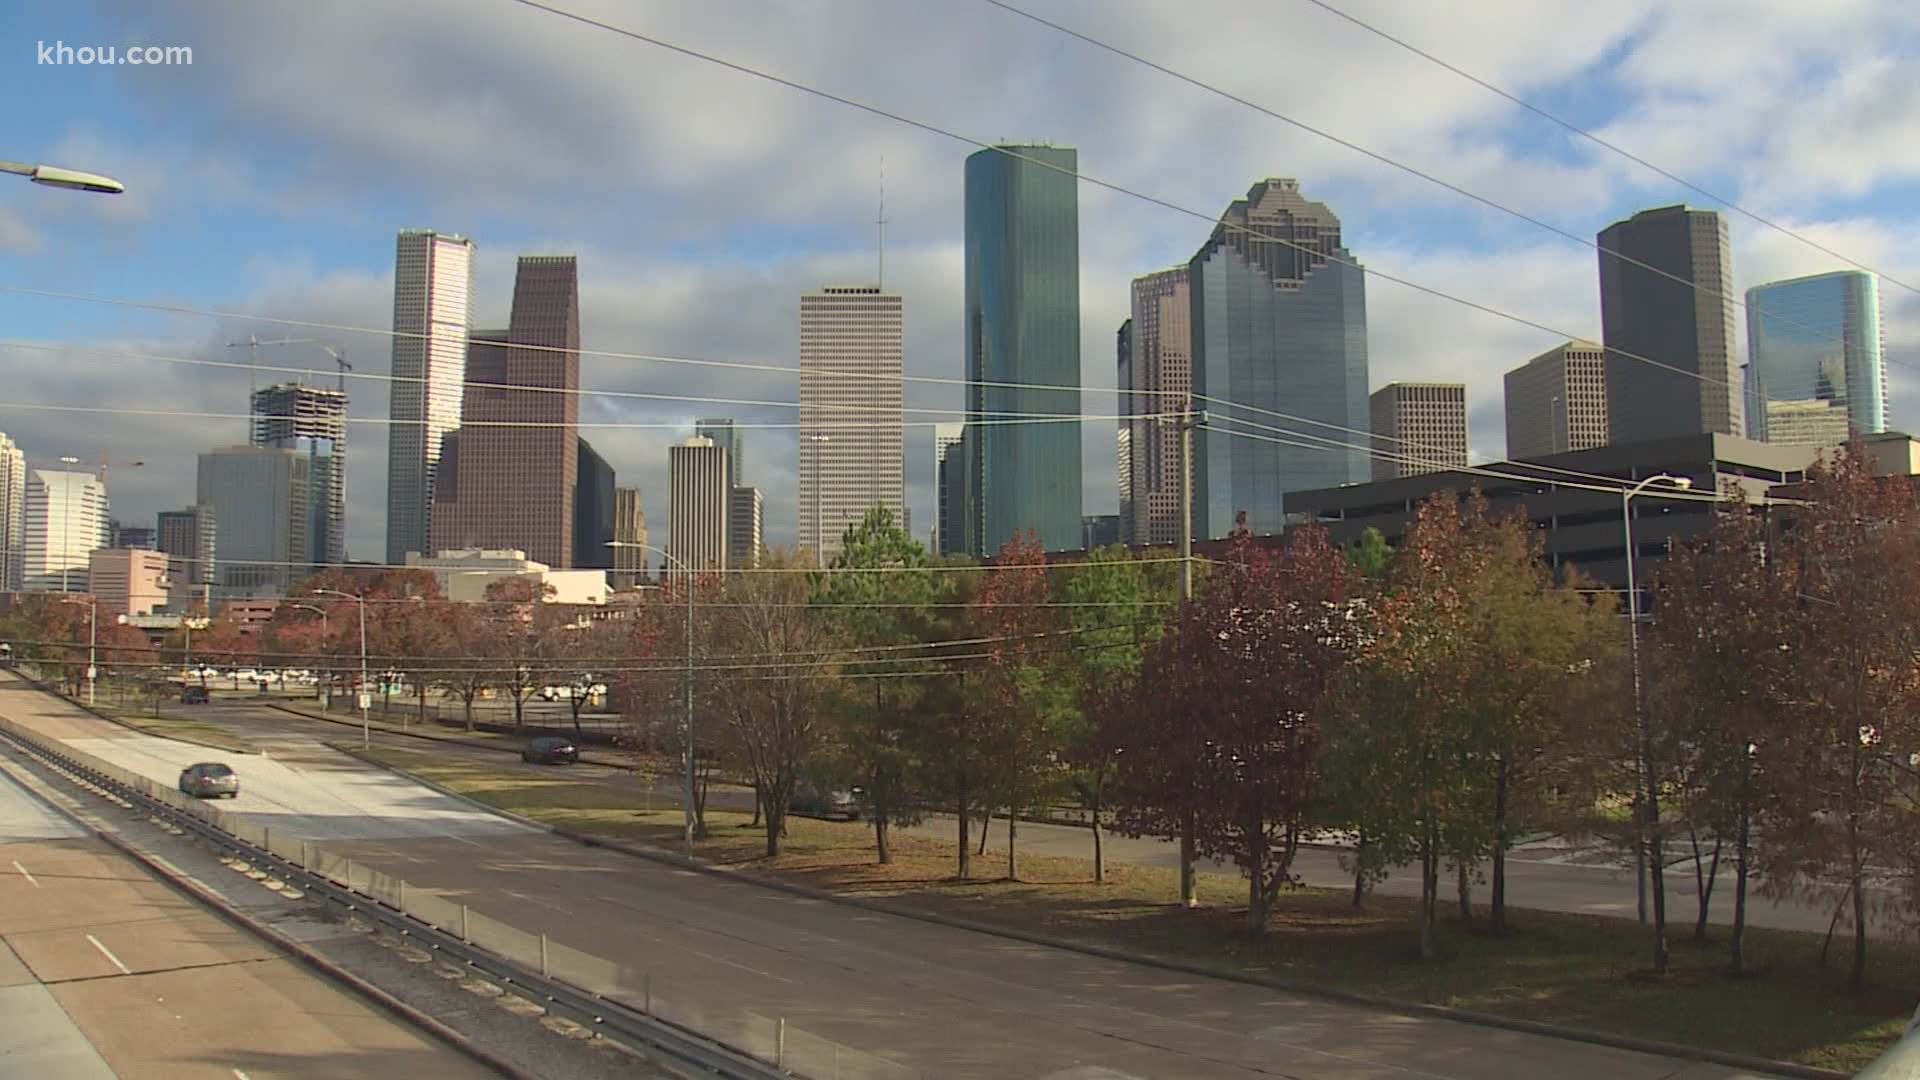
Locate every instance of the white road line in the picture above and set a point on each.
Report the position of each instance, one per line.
(238, 1075)
(104, 951)
(24, 874)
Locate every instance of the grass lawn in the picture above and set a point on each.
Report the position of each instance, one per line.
(1570, 969)
(172, 725)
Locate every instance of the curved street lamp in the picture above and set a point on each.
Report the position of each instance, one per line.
(71, 179)
(691, 577)
(366, 726)
(1651, 854)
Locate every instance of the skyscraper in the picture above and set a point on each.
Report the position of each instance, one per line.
(728, 436)
(515, 460)
(432, 289)
(1158, 370)
(852, 454)
(188, 538)
(630, 538)
(313, 421)
(1676, 321)
(1557, 401)
(1278, 325)
(946, 444)
(260, 496)
(66, 520)
(13, 514)
(593, 511)
(1418, 427)
(744, 542)
(1814, 346)
(1022, 331)
(700, 497)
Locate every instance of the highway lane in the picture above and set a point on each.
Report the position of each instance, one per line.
(1538, 877)
(105, 970)
(936, 1001)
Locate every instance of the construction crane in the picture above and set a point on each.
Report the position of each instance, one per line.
(252, 344)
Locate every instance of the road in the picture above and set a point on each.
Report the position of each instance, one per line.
(930, 1000)
(105, 970)
(1541, 877)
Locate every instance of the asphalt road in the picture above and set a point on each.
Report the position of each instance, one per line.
(925, 1000)
(105, 970)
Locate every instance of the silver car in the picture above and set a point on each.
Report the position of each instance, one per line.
(209, 780)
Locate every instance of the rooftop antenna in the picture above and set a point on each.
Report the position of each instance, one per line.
(880, 224)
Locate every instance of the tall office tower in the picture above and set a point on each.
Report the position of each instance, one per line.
(13, 514)
(1123, 428)
(188, 539)
(630, 539)
(1676, 322)
(1023, 331)
(1123, 478)
(744, 542)
(1557, 401)
(724, 432)
(312, 420)
(1279, 324)
(432, 291)
(1815, 348)
(66, 520)
(852, 453)
(1158, 370)
(700, 497)
(516, 457)
(260, 496)
(1418, 427)
(946, 442)
(593, 510)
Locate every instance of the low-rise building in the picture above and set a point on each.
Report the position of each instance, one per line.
(465, 575)
(128, 581)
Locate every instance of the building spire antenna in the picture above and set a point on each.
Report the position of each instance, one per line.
(880, 225)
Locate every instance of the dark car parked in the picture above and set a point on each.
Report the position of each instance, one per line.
(808, 800)
(550, 750)
(193, 695)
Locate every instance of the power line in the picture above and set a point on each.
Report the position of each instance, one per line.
(1215, 222)
(1603, 143)
(1397, 164)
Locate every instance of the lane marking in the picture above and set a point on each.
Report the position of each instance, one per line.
(24, 874)
(104, 951)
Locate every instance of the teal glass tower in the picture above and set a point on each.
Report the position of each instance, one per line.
(1022, 326)
(1816, 372)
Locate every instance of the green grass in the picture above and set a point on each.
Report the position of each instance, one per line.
(1577, 970)
(171, 725)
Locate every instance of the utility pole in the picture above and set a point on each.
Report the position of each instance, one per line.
(1189, 893)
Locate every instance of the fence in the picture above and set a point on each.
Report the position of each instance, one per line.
(737, 1024)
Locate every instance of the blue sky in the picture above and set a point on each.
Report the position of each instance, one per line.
(270, 176)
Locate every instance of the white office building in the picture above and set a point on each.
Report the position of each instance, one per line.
(66, 521)
(851, 453)
(432, 292)
(699, 503)
(13, 514)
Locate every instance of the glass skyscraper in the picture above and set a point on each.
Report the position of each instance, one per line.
(1022, 326)
(1280, 326)
(1816, 367)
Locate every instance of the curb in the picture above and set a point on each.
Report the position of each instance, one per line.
(94, 711)
(1764, 1066)
(195, 890)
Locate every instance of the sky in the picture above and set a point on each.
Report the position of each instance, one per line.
(267, 178)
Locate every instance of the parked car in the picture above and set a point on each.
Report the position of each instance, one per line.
(210, 780)
(808, 800)
(193, 695)
(556, 693)
(550, 750)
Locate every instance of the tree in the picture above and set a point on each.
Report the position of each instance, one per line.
(469, 651)
(1841, 799)
(1021, 705)
(879, 594)
(1114, 613)
(1724, 609)
(769, 703)
(527, 628)
(1370, 556)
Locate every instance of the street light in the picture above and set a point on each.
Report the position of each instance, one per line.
(93, 636)
(326, 695)
(687, 737)
(819, 541)
(1651, 811)
(71, 179)
(366, 725)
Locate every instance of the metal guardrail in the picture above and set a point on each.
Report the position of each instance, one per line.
(633, 1027)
